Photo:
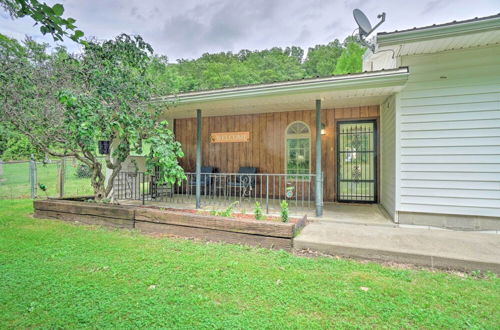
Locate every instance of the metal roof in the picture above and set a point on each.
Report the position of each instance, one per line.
(475, 19)
(474, 25)
(331, 82)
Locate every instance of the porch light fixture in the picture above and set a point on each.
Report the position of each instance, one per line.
(103, 147)
(323, 129)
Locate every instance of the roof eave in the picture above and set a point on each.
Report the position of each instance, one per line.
(368, 80)
(393, 38)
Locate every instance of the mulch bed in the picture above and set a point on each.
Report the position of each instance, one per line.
(244, 216)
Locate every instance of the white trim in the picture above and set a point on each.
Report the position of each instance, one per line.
(383, 78)
(439, 31)
(397, 167)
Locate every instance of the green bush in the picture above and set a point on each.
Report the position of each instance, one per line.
(225, 213)
(83, 171)
(284, 211)
(258, 212)
(19, 148)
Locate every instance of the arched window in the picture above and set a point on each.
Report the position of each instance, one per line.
(298, 148)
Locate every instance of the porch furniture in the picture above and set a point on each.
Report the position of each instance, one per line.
(220, 185)
(244, 181)
(157, 189)
(205, 181)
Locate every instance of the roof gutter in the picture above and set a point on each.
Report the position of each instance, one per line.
(396, 77)
(393, 38)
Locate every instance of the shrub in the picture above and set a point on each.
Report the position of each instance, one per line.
(284, 211)
(83, 171)
(258, 212)
(224, 213)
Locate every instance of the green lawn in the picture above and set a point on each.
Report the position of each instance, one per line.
(58, 275)
(15, 181)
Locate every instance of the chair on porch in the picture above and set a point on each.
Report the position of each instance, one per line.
(157, 189)
(205, 180)
(244, 181)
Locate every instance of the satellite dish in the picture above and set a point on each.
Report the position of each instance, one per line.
(364, 24)
(365, 27)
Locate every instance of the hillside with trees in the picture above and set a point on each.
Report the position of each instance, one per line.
(39, 84)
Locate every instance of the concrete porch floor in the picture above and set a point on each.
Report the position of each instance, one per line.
(369, 214)
(352, 213)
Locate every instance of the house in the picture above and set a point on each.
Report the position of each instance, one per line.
(418, 132)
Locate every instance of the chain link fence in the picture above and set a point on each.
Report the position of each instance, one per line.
(61, 178)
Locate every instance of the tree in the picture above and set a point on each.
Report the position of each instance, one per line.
(322, 59)
(351, 60)
(244, 68)
(49, 18)
(65, 104)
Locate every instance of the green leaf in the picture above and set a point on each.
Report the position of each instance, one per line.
(78, 34)
(58, 9)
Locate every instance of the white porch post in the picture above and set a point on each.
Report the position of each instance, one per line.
(319, 178)
(198, 158)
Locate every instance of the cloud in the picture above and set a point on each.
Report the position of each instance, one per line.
(434, 5)
(189, 28)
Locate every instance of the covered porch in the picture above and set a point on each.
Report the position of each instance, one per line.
(296, 136)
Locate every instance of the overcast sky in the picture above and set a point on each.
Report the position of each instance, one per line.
(189, 28)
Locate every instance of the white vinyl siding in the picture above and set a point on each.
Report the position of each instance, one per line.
(449, 115)
(387, 154)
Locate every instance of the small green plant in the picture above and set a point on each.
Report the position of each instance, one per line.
(478, 274)
(106, 201)
(284, 211)
(226, 212)
(44, 189)
(258, 212)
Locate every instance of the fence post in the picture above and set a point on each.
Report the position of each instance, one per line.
(1, 168)
(143, 188)
(62, 170)
(32, 176)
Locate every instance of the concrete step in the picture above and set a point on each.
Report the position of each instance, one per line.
(465, 251)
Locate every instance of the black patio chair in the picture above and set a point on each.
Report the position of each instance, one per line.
(244, 181)
(205, 180)
(159, 190)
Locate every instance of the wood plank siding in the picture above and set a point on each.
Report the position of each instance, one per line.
(266, 148)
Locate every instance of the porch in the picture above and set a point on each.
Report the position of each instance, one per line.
(313, 143)
(269, 190)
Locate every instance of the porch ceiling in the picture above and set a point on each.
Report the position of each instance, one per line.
(335, 92)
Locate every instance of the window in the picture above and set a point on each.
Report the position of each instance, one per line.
(298, 148)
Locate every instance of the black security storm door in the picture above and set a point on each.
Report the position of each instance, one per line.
(357, 161)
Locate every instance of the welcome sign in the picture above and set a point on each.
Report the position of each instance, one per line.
(229, 137)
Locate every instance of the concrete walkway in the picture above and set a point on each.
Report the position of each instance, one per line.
(352, 213)
(426, 247)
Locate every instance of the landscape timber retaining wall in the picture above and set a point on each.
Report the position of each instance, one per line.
(117, 216)
(267, 234)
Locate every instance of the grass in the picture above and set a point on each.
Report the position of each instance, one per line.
(15, 181)
(58, 275)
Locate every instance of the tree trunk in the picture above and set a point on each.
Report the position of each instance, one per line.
(98, 182)
(99, 194)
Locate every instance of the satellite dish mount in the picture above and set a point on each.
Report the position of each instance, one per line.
(365, 27)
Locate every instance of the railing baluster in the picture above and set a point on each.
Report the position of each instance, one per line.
(220, 189)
